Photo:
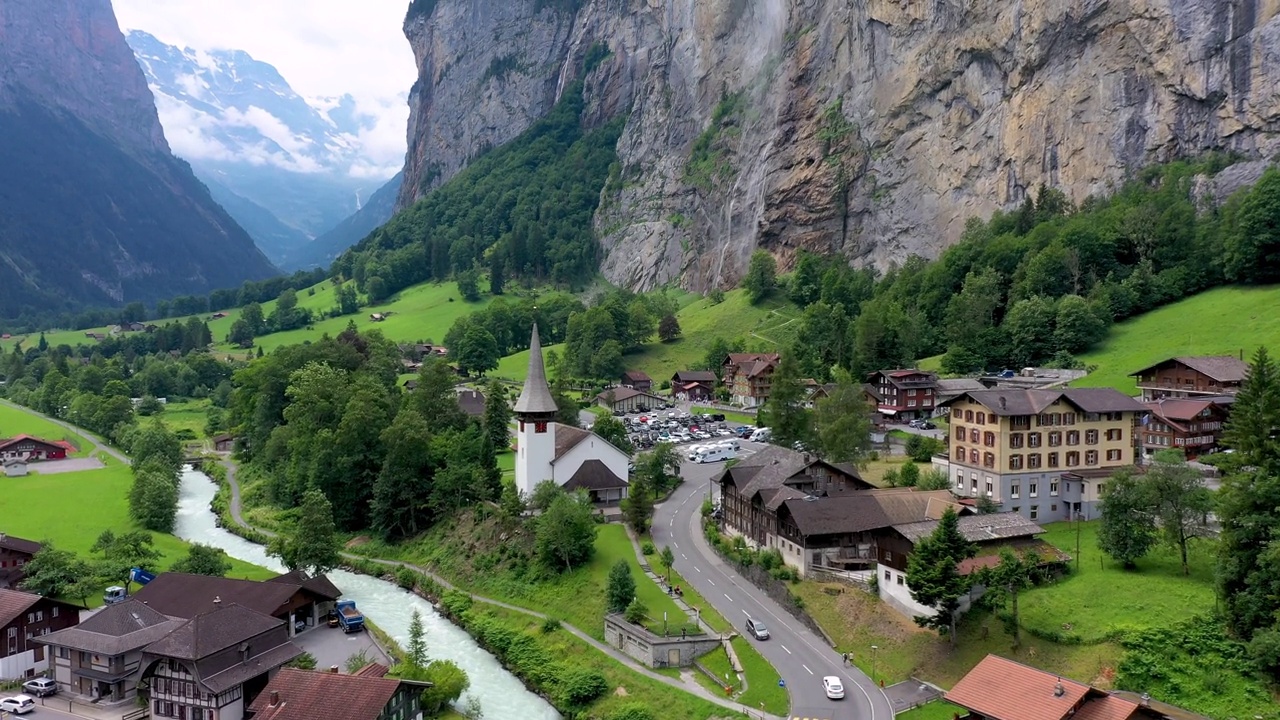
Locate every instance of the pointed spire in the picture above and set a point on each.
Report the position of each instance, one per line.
(535, 397)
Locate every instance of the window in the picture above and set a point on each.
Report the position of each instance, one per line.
(31, 617)
(959, 454)
(39, 616)
(988, 460)
(1020, 422)
(1115, 434)
(968, 416)
(982, 418)
(1033, 489)
(1102, 488)
(1014, 490)
(54, 611)
(1016, 508)
(911, 403)
(989, 439)
(974, 436)
(1015, 440)
(1066, 487)
(1035, 510)
(973, 483)
(956, 413)
(900, 580)
(1015, 462)
(989, 489)
(1115, 455)
(1053, 487)
(1053, 508)
(1069, 418)
(960, 478)
(1053, 459)
(973, 457)
(1033, 439)
(1091, 437)
(1033, 461)
(887, 576)
(64, 653)
(960, 434)
(1073, 459)
(1055, 438)
(1091, 457)
(1073, 437)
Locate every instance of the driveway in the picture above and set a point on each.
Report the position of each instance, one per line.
(331, 646)
(800, 656)
(53, 467)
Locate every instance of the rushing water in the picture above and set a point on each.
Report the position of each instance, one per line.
(501, 695)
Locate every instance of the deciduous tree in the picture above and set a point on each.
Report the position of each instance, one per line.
(50, 571)
(1128, 528)
(311, 545)
(668, 328)
(621, 589)
(784, 412)
(1182, 503)
(203, 560)
(762, 276)
(153, 497)
(612, 430)
(566, 533)
(121, 553)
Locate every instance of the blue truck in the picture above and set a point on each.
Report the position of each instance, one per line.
(349, 618)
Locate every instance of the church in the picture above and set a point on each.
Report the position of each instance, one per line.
(573, 458)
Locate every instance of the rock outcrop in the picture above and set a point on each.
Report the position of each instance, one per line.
(872, 129)
(94, 209)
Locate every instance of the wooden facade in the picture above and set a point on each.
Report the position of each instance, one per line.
(905, 394)
(1183, 377)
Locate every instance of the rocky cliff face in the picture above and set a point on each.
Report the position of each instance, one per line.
(95, 208)
(867, 128)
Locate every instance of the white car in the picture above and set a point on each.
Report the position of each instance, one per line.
(834, 688)
(18, 704)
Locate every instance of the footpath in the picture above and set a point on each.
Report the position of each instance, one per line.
(686, 683)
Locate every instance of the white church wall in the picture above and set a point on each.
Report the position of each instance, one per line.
(534, 453)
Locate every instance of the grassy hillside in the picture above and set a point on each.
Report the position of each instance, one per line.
(1223, 321)
(18, 422)
(768, 326)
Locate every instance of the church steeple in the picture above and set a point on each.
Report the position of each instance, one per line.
(535, 400)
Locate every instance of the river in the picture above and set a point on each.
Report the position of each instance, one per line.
(501, 694)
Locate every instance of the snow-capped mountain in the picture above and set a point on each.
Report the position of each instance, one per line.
(294, 167)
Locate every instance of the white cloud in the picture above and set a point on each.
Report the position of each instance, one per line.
(324, 48)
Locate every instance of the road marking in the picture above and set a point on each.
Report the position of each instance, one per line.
(671, 522)
(744, 612)
(806, 667)
(686, 557)
(713, 582)
(784, 647)
(727, 596)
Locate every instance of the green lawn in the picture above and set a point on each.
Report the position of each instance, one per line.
(86, 504)
(936, 710)
(191, 415)
(767, 327)
(19, 422)
(729, 417)
(1223, 321)
(1100, 599)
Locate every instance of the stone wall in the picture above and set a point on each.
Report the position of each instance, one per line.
(656, 651)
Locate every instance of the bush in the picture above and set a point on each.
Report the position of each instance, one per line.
(550, 625)
(632, 711)
(647, 548)
(635, 612)
(448, 682)
(921, 448)
(578, 687)
(305, 661)
(406, 578)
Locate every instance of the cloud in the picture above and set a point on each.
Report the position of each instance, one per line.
(325, 48)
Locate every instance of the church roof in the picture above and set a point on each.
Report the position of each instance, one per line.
(535, 397)
(594, 475)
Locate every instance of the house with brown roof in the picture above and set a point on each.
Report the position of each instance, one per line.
(752, 490)
(905, 394)
(749, 377)
(1000, 689)
(1192, 424)
(694, 385)
(630, 400)
(471, 402)
(101, 658)
(1192, 376)
(367, 694)
(214, 665)
(1046, 454)
(637, 380)
(15, 552)
(24, 617)
(290, 597)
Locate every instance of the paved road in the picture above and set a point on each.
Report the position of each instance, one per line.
(801, 657)
(95, 443)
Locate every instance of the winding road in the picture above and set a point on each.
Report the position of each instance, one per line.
(801, 657)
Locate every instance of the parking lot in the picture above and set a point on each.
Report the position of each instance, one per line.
(679, 427)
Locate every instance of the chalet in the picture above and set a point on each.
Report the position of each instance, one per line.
(749, 377)
(693, 385)
(15, 552)
(905, 394)
(754, 489)
(15, 468)
(815, 391)
(471, 402)
(367, 694)
(224, 443)
(215, 664)
(30, 448)
(411, 366)
(1001, 689)
(636, 380)
(23, 618)
(101, 658)
(625, 399)
(96, 335)
(291, 596)
(1193, 424)
(217, 316)
(1192, 376)
(990, 532)
(411, 384)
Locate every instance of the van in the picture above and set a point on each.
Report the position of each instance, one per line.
(761, 435)
(714, 454)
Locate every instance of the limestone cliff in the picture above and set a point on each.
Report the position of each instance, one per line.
(867, 128)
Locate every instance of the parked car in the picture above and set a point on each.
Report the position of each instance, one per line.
(41, 687)
(757, 630)
(833, 687)
(18, 704)
(718, 417)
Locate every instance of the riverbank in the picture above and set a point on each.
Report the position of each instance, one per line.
(430, 585)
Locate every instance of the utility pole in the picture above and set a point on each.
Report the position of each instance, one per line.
(874, 648)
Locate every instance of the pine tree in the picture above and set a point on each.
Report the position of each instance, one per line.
(637, 507)
(416, 653)
(934, 572)
(497, 416)
(1255, 415)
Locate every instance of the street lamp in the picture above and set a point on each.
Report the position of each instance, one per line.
(874, 648)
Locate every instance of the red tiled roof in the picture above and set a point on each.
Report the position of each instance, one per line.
(310, 695)
(1002, 689)
(13, 603)
(373, 669)
(9, 441)
(1107, 707)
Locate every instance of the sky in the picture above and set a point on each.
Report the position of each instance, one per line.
(330, 48)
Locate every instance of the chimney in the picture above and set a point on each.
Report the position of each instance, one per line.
(333, 669)
(275, 698)
(1058, 690)
(806, 459)
(1146, 699)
